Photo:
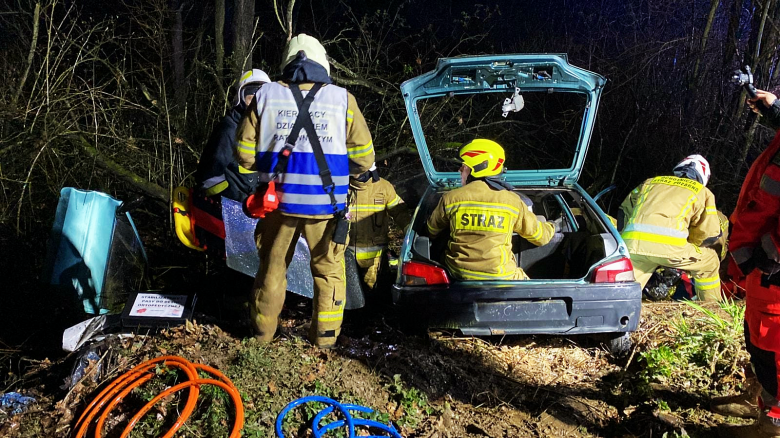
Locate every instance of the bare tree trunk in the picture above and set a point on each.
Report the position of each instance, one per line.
(735, 12)
(756, 53)
(177, 44)
(243, 27)
(705, 35)
(753, 58)
(769, 54)
(30, 55)
(219, 33)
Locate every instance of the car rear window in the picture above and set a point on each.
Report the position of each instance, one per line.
(542, 135)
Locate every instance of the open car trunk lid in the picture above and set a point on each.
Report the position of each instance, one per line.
(514, 76)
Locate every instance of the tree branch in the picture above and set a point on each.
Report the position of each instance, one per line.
(30, 55)
(120, 171)
(360, 82)
(342, 67)
(290, 7)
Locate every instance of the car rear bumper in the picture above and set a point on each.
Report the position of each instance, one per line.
(542, 309)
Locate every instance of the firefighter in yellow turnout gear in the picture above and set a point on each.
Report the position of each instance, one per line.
(482, 215)
(305, 207)
(672, 221)
(372, 200)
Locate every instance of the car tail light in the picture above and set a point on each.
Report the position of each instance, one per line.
(612, 272)
(417, 274)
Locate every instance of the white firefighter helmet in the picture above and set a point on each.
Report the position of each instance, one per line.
(697, 164)
(310, 46)
(249, 83)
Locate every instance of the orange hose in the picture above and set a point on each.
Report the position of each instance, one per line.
(117, 390)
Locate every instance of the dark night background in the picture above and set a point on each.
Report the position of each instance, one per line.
(121, 96)
(143, 84)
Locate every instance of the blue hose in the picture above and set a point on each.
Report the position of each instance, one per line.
(344, 409)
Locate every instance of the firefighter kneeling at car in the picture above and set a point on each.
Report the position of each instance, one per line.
(310, 174)
(672, 221)
(482, 215)
(372, 200)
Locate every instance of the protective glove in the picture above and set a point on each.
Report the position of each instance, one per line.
(558, 224)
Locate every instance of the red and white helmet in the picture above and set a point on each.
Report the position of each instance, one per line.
(694, 163)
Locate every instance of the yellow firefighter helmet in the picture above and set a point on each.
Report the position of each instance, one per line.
(484, 157)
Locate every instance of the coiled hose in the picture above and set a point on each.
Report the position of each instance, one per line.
(117, 390)
(343, 409)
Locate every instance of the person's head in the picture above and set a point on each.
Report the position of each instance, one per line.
(311, 48)
(481, 159)
(693, 167)
(371, 174)
(248, 84)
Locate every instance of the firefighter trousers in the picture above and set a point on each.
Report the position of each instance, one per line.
(277, 235)
(702, 264)
(371, 268)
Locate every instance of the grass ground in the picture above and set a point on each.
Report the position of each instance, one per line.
(438, 385)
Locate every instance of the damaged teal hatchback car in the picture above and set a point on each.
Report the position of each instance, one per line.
(541, 110)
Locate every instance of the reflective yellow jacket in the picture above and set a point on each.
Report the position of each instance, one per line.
(370, 203)
(722, 245)
(666, 213)
(481, 222)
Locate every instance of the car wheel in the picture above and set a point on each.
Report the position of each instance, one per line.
(619, 344)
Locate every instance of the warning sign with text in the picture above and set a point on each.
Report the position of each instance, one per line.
(158, 305)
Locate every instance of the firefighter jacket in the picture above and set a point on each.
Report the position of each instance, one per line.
(666, 213)
(756, 226)
(343, 134)
(371, 203)
(218, 173)
(481, 222)
(722, 245)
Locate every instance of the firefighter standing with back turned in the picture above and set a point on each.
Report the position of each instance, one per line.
(755, 249)
(308, 204)
(482, 215)
(672, 221)
(372, 199)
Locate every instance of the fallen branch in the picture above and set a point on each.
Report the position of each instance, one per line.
(342, 67)
(360, 82)
(354, 78)
(120, 171)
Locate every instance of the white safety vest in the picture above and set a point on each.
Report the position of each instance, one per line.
(300, 187)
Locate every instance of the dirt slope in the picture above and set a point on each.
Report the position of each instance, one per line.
(436, 385)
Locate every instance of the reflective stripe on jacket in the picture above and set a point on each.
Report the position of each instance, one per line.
(370, 204)
(343, 134)
(666, 213)
(481, 222)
